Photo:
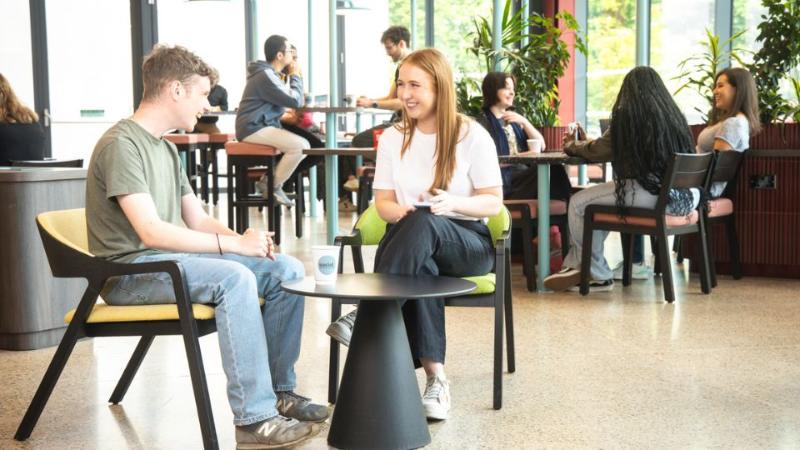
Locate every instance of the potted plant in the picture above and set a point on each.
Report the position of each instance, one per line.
(534, 52)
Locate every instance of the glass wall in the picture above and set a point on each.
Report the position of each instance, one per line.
(90, 72)
(611, 39)
(15, 49)
(453, 21)
(215, 33)
(674, 36)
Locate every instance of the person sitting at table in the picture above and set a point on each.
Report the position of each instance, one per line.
(218, 99)
(647, 130)
(140, 208)
(510, 132)
(264, 101)
(640, 270)
(438, 156)
(21, 135)
(733, 118)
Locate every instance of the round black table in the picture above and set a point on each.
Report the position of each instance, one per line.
(378, 405)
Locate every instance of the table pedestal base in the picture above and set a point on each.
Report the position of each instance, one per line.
(379, 405)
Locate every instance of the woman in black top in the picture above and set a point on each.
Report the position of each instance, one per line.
(21, 136)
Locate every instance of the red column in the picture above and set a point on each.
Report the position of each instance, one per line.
(566, 85)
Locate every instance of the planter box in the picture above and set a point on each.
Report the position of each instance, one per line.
(553, 137)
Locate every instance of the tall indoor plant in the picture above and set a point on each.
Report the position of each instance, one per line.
(534, 51)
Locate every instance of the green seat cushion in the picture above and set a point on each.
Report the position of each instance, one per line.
(485, 284)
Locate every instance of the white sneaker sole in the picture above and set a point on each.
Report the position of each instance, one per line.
(340, 333)
(436, 412)
(562, 281)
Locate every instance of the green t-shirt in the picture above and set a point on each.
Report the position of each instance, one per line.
(129, 160)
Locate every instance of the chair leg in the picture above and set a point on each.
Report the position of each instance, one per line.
(130, 370)
(733, 241)
(333, 363)
(299, 206)
(657, 262)
(497, 382)
(48, 382)
(563, 229)
(676, 247)
(511, 359)
(705, 269)
(627, 258)
(529, 266)
(229, 177)
(712, 263)
(662, 243)
(214, 176)
(586, 254)
(204, 191)
(199, 385)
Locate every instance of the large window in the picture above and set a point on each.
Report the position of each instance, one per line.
(674, 36)
(15, 49)
(90, 72)
(612, 53)
(216, 34)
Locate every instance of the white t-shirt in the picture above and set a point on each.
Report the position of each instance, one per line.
(733, 130)
(412, 175)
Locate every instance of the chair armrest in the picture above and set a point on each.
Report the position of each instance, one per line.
(353, 238)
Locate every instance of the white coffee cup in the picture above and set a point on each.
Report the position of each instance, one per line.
(535, 145)
(326, 263)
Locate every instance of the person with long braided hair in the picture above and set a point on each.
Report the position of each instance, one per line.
(647, 130)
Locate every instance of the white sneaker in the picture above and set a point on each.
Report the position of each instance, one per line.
(342, 328)
(639, 271)
(436, 399)
(282, 198)
(346, 205)
(351, 185)
(563, 279)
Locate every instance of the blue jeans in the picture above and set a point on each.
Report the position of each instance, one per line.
(259, 347)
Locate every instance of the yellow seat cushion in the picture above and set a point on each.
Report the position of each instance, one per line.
(105, 313)
(486, 284)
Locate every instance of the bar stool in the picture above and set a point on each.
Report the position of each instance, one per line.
(216, 142)
(187, 145)
(241, 157)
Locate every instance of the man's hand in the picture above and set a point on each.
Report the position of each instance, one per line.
(253, 243)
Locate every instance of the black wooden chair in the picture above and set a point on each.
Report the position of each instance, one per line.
(721, 211)
(64, 237)
(523, 217)
(684, 171)
(493, 291)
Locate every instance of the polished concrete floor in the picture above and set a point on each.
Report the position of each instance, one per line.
(614, 370)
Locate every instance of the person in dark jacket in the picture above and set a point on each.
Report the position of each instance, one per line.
(266, 97)
(21, 136)
(511, 132)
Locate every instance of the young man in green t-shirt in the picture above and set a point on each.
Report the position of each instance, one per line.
(139, 208)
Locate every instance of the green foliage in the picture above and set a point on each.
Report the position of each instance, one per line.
(700, 71)
(779, 36)
(794, 112)
(537, 63)
(612, 33)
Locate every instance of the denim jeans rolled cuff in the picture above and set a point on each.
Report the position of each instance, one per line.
(602, 194)
(258, 346)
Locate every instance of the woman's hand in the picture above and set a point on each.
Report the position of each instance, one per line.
(512, 117)
(443, 202)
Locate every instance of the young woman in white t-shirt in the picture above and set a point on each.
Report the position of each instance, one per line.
(437, 176)
(734, 117)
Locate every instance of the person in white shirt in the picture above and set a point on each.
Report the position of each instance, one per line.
(437, 177)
